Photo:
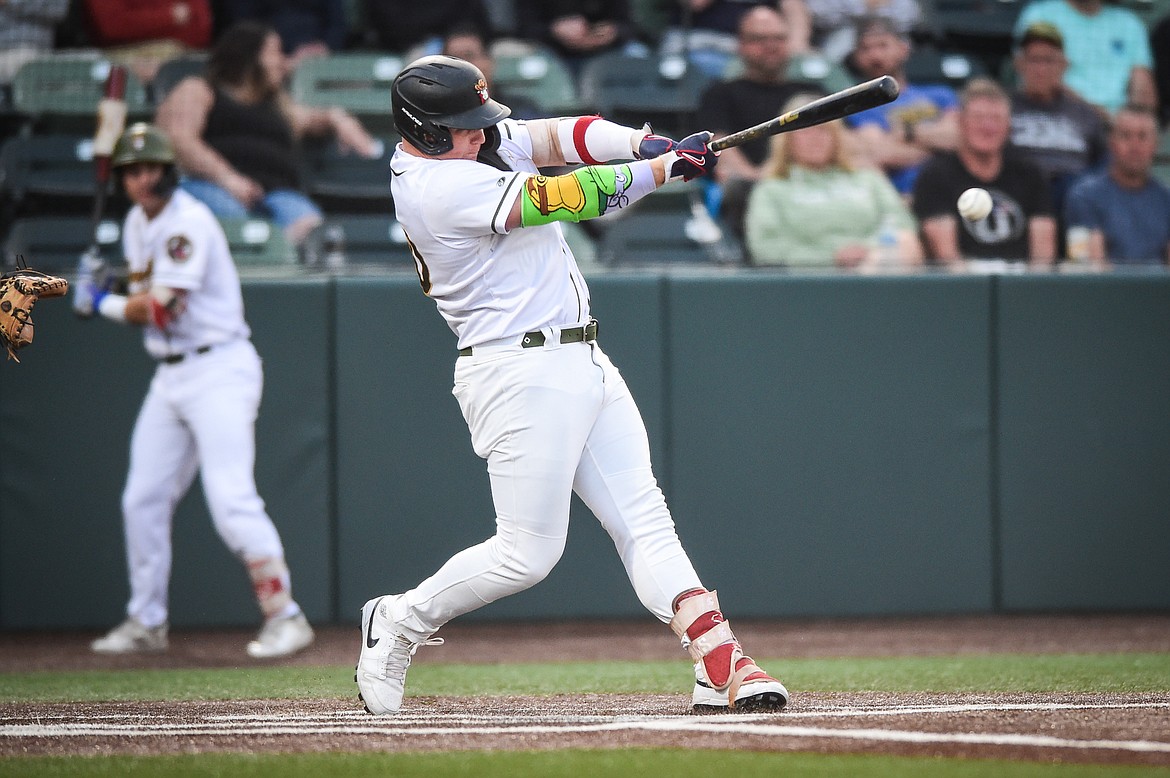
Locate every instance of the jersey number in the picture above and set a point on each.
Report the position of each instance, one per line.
(420, 267)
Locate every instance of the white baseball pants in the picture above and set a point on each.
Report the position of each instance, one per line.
(551, 421)
(198, 416)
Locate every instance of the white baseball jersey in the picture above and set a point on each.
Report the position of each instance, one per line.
(488, 283)
(184, 247)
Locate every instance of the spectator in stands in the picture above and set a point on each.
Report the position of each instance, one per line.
(1124, 213)
(143, 34)
(755, 96)
(834, 22)
(1107, 46)
(900, 136)
(1160, 44)
(236, 131)
(707, 31)
(418, 28)
(469, 43)
(1021, 226)
(307, 28)
(578, 30)
(27, 31)
(815, 206)
(1051, 124)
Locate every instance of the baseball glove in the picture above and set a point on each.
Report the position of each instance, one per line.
(19, 291)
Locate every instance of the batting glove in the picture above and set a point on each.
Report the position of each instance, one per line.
(691, 158)
(87, 291)
(652, 145)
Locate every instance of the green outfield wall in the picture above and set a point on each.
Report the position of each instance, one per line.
(829, 446)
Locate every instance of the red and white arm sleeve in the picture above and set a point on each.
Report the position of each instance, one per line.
(593, 140)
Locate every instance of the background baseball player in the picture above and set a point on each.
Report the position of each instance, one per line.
(545, 406)
(201, 407)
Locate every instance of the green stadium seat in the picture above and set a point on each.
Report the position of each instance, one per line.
(356, 81)
(347, 182)
(539, 76)
(631, 89)
(368, 240)
(651, 238)
(931, 66)
(54, 244)
(258, 243)
(39, 172)
(61, 93)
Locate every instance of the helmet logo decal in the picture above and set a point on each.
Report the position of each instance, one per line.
(481, 88)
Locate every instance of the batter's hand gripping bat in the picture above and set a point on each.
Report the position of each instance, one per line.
(855, 99)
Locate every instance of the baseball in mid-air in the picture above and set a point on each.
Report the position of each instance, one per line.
(974, 204)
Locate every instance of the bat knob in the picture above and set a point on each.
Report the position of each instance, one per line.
(889, 87)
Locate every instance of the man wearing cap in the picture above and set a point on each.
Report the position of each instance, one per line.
(1108, 50)
(900, 136)
(1051, 124)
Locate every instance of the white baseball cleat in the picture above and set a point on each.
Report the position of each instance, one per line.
(757, 693)
(725, 678)
(381, 669)
(131, 637)
(281, 637)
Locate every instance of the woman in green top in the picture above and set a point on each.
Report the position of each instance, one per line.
(815, 207)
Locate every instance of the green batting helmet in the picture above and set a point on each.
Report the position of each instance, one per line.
(142, 142)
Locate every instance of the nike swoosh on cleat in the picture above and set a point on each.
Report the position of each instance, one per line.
(371, 641)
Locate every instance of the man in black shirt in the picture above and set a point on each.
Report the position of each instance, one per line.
(755, 96)
(1021, 226)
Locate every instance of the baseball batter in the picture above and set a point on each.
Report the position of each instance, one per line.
(545, 406)
(201, 407)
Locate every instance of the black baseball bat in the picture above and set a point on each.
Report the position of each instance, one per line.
(857, 98)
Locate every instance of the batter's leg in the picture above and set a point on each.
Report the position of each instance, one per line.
(529, 415)
(616, 481)
(162, 467)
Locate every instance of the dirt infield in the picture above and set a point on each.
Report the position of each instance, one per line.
(1106, 729)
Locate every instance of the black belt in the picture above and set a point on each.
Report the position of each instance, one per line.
(174, 359)
(585, 334)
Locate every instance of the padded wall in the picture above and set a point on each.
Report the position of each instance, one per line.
(1084, 445)
(830, 438)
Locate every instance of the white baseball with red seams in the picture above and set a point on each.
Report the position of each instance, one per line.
(974, 204)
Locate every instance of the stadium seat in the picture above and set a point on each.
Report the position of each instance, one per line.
(651, 237)
(537, 75)
(931, 66)
(173, 71)
(358, 82)
(1149, 11)
(368, 240)
(47, 173)
(347, 182)
(813, 68)
(54, 244)
(982, 28)
(258, 243)
(630, 89)
(61, 94)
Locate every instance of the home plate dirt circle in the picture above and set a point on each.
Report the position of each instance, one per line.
(1113, 729)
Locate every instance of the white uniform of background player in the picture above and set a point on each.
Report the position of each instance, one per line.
(545, 406)
(200, 410)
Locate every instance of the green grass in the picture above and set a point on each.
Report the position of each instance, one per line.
(1129, 673)
(553, 764)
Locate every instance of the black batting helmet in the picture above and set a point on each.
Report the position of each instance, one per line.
(434, 94)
